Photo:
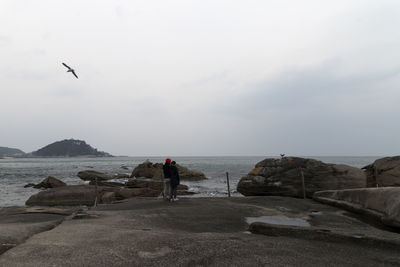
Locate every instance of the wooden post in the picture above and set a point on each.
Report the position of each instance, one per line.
(95, 186)
(227, 182)
(303, 184)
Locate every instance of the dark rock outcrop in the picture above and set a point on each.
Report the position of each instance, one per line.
(121, 176)
(137, 192)
(90, 175)
(72, 195)
(148, 170)
(105, 183)
(107, 192)
(155, 171)
(282, 177)
(190, 175)
(50, 182)
(383, 172)
(382, 203)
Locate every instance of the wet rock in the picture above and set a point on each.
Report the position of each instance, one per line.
(29, 185)
(383, 172)
(50, 182)
(89, 175)
(155, 171)
(282, 177)
(121, 176)
(379, 203)
(105, 183)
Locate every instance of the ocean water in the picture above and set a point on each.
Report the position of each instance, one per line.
(15, 173)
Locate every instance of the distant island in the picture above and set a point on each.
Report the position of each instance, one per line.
(69, 148)
(64, 148)
(6, 152)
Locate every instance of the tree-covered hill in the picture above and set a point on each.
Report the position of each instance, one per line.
(69, 148)
(6, 151)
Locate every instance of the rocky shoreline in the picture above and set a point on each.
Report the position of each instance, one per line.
(287, 176)
(372, 190)
(237, 231)
(145, 181)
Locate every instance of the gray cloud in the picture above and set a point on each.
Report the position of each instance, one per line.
(322, 86)
(318, 111)
(202, 77)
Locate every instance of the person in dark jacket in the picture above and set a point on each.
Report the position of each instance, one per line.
(167, 179)
(174, 181)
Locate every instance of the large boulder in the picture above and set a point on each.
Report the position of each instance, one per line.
(190, 175)
(107, 192)
(282, 177)
(71, 195)
(383, 172)
(105, 183)
(148, 170)
(137, 192)
(90, 175)
(155, 171)
(50, 182)
(380, 203)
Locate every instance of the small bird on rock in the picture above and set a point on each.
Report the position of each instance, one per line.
(70, 70)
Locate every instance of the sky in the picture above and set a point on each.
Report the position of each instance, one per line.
(202, 78)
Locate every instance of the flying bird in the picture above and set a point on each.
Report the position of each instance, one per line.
(70, 70)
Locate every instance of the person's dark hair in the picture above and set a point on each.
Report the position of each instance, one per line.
(173, 162)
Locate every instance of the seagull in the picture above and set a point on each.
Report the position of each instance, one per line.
(70, 70)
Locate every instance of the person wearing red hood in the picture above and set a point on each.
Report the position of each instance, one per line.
(167, 179)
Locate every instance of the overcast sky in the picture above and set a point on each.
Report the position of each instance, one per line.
(202, 77)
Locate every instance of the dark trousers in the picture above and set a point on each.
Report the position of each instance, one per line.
(174, 188)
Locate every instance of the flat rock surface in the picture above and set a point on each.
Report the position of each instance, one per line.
(18, 223)
(207, 232)
(382, 203)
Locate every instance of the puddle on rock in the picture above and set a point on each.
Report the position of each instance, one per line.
(315, 213)
(279, 220)
(358, 236)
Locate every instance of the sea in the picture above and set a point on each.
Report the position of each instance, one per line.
(15, 173)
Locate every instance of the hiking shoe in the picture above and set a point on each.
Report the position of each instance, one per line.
(176, 199)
